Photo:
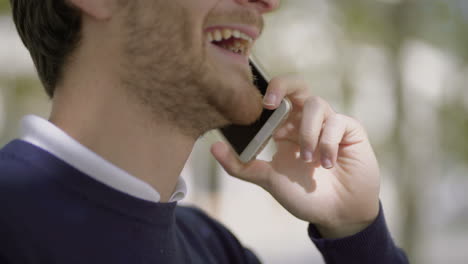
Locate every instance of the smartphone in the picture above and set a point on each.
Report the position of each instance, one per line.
(249, 141)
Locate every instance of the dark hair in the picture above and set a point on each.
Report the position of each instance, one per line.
(51, 30)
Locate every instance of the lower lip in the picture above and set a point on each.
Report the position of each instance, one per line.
(237, 57)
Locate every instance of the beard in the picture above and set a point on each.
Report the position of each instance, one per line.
(167, 70)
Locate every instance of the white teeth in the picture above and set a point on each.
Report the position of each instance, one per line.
(244, 36)
(209, 37)
(239, 45)
(217, 35)
(227, 33)
(236, 33)
(220, 34)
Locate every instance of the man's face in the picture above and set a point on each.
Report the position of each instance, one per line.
(188, 60)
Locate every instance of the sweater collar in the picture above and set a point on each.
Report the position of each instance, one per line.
(47, 136)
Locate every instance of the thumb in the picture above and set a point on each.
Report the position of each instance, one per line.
(256, 171)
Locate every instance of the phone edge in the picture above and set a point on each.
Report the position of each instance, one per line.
(260, 140)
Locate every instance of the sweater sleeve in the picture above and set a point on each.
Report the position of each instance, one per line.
(372, 245)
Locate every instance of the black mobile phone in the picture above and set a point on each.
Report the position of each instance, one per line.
(248, 141)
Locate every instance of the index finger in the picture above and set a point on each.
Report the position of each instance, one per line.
(294, 87)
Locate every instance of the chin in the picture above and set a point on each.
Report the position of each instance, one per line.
(234, 96)
(248, 115)
(243, 108)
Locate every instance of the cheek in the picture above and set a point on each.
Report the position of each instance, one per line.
(201, 14)
(192, 33)
(199, 7)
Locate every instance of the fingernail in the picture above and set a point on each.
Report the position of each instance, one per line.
(327, 164)
(307, 156)
(270, 100)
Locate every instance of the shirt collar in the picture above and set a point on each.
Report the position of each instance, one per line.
(47, 136)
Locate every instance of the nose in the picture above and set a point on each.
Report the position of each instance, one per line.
(263, 6)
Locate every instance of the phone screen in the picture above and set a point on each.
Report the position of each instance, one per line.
(240, 136)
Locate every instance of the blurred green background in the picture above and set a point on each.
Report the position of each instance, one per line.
(400, 66)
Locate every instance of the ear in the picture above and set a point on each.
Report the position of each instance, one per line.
(98, 9)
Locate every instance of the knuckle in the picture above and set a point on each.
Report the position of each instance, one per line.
(326, 147)
(307, 132)
(308, 139)
(351, 119)
(300, 81)
(358, 124)
(327, 144)
(316, 101)
(338, 118)
(334, 122)
(327, 140)
(278, 82)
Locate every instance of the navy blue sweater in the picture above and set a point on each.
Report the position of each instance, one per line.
(52, 213)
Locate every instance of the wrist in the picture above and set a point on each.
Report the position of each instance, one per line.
(346, 228)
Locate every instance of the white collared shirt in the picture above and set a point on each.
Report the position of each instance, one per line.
(52, 139)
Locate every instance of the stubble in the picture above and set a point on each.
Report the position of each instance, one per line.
(166, 73)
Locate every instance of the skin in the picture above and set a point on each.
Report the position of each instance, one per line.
(141, 81)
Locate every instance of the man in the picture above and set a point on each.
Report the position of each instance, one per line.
(133, 85)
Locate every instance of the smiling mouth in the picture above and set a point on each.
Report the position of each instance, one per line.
(231, 40)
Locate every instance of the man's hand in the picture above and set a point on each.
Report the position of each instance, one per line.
(324, 172)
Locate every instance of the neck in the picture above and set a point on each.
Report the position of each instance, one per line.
(105, 121)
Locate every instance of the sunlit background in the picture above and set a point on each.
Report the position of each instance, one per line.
(400, 66)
